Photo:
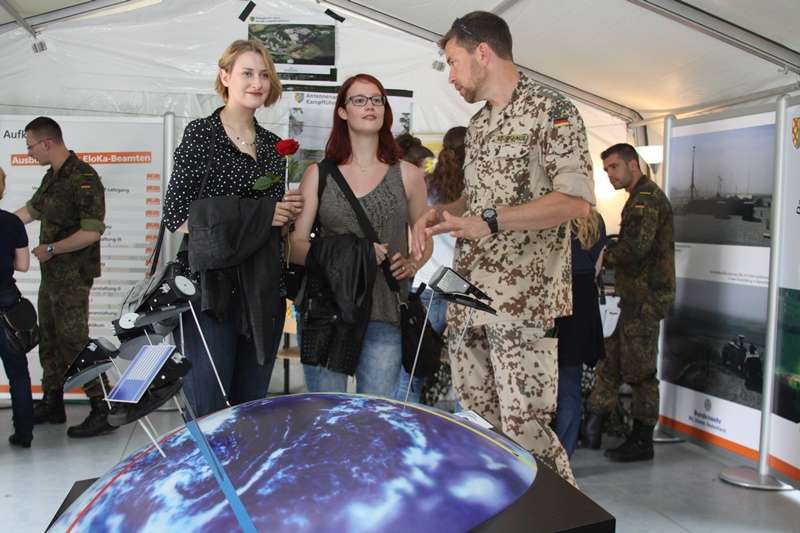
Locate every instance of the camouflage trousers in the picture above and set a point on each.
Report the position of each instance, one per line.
(508, 374)
(64, 325)
(631, 354)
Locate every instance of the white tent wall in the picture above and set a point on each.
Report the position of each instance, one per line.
(163, 58)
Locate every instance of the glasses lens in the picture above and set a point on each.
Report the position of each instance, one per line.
(377, 100)
(358, 101)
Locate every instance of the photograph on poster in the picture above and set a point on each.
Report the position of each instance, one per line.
(714, 340)
(300, 44)
(720, 185)
(787, 356)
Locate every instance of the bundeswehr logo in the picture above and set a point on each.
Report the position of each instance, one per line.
(796, 132)
(298, 97)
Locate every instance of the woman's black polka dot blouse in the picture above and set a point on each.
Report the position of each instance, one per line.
(232, 173)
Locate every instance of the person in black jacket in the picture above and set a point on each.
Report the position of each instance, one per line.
(14, 255)
(221, 156)
(580, 335)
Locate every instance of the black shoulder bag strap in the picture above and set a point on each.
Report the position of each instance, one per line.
(162, 228)
(366, 226)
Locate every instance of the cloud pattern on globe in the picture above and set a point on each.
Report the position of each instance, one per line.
(314, 462)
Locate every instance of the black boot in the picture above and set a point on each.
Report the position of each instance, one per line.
(50, 408)
(94, 424)
(637, 447)
(592, 432)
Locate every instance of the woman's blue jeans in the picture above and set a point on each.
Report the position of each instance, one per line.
(378, 365)
(234, 357)
(567, 422)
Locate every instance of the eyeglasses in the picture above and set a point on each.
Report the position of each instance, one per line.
(360, 100)
(31, 146)
(460, 25)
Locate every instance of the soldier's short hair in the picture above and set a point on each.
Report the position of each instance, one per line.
(480, 27)
(232, 53)
(45, 127)
(625, 151)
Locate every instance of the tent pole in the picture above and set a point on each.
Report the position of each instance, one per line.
(716, 105)
(15, 14)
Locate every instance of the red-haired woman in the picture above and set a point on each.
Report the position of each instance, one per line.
(393, 195)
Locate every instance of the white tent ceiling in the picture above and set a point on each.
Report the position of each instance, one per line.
(624, 55)
(623, 52)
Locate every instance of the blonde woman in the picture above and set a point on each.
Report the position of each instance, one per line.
(231, 152)
(580, 336)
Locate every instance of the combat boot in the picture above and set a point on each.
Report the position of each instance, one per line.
(94, 424)
(50, 408)
(592, 433)
(637, 447)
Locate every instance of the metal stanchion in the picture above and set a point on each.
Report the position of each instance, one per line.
(661, 434)
(744, 476)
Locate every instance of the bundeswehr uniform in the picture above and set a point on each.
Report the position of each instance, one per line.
(68, 200)
(644, 267)
(506, 369)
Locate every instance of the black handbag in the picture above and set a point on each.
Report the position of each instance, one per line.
(412, 312)
(412, 317)
(21, 327)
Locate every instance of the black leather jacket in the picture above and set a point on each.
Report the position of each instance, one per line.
(336, 300)
(237, 251)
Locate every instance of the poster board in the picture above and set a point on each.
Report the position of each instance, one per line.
(127, 153)
(719, 178)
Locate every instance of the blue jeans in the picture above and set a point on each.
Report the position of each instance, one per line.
(19, 379)
(378, 365)
(235, 358)
(438, 319)
(568, 411)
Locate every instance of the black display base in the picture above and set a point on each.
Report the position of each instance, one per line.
(550, 505)
(78, 488)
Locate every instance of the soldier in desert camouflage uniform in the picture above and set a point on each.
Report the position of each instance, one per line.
(527, 173)
(70, 204)
(644, 266)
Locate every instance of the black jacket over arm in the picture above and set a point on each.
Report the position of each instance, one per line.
(336, 301)
(233, 244)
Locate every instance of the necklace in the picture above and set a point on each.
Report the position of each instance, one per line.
(238, 139)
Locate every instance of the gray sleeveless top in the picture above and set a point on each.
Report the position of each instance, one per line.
(387, 210)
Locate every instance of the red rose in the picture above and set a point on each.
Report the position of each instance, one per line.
(287, 147)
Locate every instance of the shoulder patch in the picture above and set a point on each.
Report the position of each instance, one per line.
(561, 110)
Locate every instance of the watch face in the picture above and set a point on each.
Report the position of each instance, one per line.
(489, 213)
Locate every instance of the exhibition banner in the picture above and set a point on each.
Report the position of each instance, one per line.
(127, 153)
(719, 177)
(784, 452)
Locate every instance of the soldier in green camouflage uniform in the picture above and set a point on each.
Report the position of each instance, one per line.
(644, 266)
(70, 205)
(527, 173)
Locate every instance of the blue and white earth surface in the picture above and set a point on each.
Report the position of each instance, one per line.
(314, 462)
